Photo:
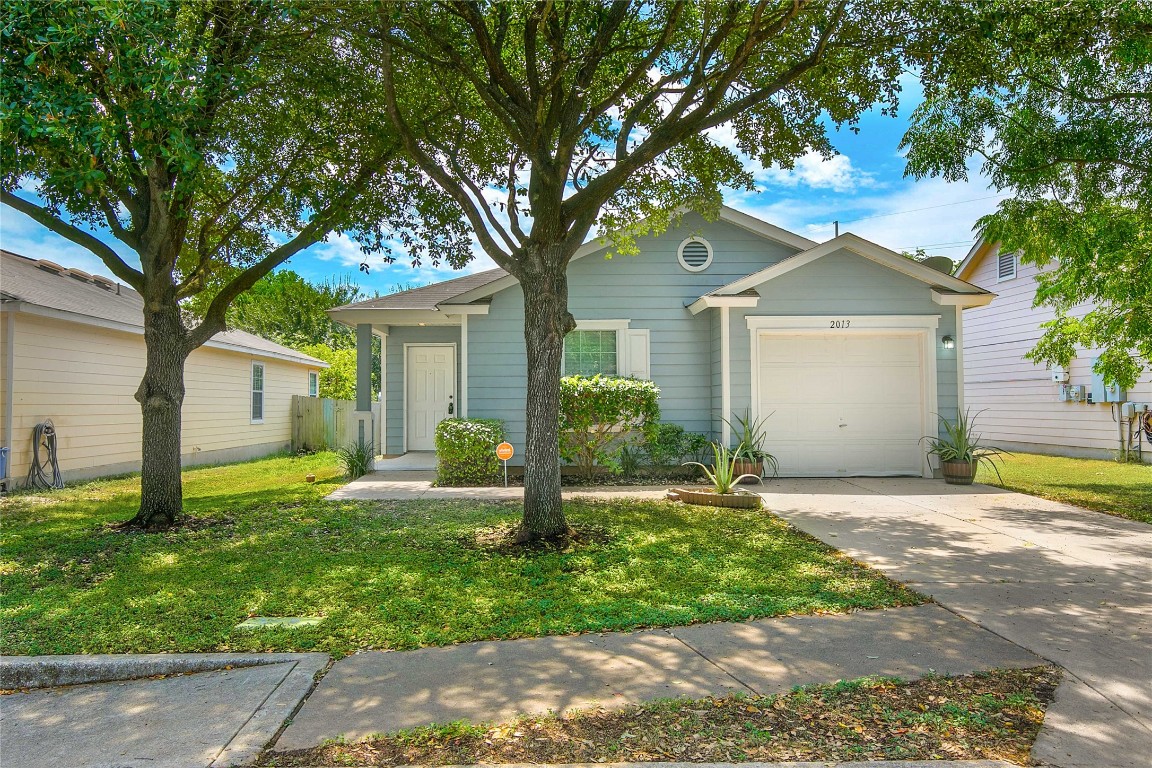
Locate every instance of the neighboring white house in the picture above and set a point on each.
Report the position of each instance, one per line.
(73, 352)
(1024, 406)
(847, 348)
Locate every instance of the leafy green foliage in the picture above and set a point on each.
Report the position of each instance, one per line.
(670, 445)
(722, 474)
(338, 380)
(466, 451)
(1054, 99)
(396, 575)
(600, 414)
(355, 459)
(959, 441)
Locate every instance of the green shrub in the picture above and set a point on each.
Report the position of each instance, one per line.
(599, 415)
(670, 445)
(466, 451)
(355, 459)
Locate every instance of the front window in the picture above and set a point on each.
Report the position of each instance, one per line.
(257, 392)
(588, 353)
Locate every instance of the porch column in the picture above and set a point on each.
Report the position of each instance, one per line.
(725, 376)
(364, 367)
(463, 366)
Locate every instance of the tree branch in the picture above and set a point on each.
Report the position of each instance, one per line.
(69, 232)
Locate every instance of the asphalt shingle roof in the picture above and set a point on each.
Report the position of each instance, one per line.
(430, 296)
(53, 286)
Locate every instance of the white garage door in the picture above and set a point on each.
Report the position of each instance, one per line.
(843, 405)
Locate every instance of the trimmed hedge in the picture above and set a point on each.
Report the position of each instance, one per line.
(599, 415)
(466, 451)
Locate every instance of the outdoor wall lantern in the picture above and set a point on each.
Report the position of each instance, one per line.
(948, 342)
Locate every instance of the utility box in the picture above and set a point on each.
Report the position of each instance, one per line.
(1132, 410)
(1104, 393)
(1060, 375)
(1071, 393)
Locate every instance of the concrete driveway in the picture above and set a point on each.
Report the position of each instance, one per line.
(1070, 585)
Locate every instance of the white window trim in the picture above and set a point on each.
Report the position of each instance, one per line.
(1015, 268)
(622, 361)
(263, 391)
(680, 254)
(313, 376)
(923, 326)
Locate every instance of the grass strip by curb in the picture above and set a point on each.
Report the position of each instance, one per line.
(986, 716)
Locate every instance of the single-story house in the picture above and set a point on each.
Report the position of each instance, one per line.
(849, 349)
(1024, 406)
(73, 352)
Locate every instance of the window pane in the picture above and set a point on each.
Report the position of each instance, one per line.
(257, 406)
(588, 353)
(257, 378)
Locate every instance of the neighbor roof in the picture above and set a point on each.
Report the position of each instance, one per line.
(430, 296)
(45, 284)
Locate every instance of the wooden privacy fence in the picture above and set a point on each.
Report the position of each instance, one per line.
(321, 422)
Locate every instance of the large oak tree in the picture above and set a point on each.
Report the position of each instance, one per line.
(1054, 99)
(564, 116)
(214, 139)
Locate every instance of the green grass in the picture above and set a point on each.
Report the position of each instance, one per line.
(386, 574)
(1119, 489)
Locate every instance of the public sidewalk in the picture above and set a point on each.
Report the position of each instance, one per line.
(379, 692)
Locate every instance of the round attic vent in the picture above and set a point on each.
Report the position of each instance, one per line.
(695, 254)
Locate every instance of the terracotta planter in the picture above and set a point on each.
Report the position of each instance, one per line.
(749, 467)
(709, 499)
(958, 472)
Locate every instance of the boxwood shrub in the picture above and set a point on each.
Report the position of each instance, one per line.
(466, 451)
(601, 414)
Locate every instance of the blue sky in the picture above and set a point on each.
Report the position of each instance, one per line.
(863, 187)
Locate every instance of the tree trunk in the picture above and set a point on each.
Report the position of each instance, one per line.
(161, 396)
(546, 322)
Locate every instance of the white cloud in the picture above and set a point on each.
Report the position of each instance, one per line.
(20, 234)
(813, 170)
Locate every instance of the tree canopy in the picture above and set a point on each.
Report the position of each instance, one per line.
(1055, 100)
(215, 139)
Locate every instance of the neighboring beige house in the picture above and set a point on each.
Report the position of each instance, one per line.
(73, 352)
(1025, 406)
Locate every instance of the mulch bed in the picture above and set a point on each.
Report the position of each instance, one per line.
(987, 716)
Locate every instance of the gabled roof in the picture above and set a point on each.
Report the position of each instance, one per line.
(975, 255)
(471, 288)
(74, 295)
(861, 247)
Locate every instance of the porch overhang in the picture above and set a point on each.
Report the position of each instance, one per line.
(444, 314)
(710, 301)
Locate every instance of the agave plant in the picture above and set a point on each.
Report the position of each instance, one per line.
(753, 437)
(961, 443)
(722, 473)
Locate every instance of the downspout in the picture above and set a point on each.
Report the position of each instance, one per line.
(959, 360)
(725, 378)
(464, 365)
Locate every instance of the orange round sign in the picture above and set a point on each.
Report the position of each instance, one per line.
(504, 451)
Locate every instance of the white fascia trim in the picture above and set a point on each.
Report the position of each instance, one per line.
(859, 246)
(707, 302)
(114, 325)
(603, 325)
(381, 318)
(463, 309)
(855, 322)
(975, 253)
(962, 299)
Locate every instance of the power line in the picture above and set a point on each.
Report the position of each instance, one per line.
(926, 208)
(956, 243)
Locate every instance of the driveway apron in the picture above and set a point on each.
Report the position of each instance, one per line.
(1072, 586)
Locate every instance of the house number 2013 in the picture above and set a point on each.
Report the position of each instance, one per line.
(840, 323)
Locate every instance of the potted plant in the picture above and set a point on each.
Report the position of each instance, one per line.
(724, 478)
(750, 454)
(960, 451)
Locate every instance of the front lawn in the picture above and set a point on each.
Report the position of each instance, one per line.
(1124, 490)
(386, 574)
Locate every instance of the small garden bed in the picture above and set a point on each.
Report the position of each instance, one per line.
(990, 716)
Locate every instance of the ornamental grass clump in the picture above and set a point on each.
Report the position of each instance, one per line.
(600, 414)
(466, 451)
(722, 473)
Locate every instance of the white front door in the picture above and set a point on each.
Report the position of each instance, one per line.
(843, 405)
(430, 391)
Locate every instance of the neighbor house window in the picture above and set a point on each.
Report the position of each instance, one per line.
(590, 352)
(313, 384)
(1005, 267)
(257, 392)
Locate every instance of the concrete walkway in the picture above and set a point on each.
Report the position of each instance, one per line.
(379, 692)
(411, 485)
(1071, 585)
(209, 719)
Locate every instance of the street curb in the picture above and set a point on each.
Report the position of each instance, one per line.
(52, 671)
